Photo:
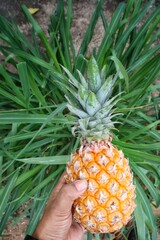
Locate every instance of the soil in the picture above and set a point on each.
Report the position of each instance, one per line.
(82, 11)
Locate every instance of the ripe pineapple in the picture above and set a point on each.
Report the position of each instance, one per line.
(108, 202)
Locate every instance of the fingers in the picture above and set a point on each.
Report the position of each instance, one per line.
(57, 217)
(67, 195)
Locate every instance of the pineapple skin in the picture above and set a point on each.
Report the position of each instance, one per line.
(107, 204)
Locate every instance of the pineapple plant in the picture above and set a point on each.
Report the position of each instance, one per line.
(36, 139)
(108, 202)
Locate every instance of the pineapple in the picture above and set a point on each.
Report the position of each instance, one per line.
(107, 204)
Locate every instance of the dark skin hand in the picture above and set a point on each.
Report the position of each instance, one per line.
(57, 221)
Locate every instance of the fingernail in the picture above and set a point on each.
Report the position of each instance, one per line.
(81, 185)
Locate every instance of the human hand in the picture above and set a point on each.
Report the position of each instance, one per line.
(57, 221)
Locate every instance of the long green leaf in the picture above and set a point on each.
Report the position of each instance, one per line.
(146, 206)
(23, 74)
(6, 193)
(140, 220)
(46, 160)
(147, 182)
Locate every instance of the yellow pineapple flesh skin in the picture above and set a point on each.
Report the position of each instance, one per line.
(107, 204)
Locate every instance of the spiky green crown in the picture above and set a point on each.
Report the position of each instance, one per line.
(89, 100)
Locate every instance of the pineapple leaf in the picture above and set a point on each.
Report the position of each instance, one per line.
(93, 75)
(72, 79)
(82, 95)
(77, 112)
(46, 160)
(146, 206)
(83, 123)
(121, 70)
(104, 72)
(92, 104)
(83, 80)
(141, 230)
(23, 74)
(6, 192)
(105, 91)
(153, 191)
(105, 111)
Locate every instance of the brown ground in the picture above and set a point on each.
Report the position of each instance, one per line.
(82, 11)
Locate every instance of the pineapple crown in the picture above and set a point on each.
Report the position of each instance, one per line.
(89, 101)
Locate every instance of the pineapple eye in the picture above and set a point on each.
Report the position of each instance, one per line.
(92, 185)
(102, 159)
(90, 203)
(112, 205)
(89, 221)
(121, 176)
(131, 193)
(83, 174)
(116, 226)
(126, 206)
(109, 153)
(77, 166)
(80, 209)
(103, 227)
(88, 157)
(93, 168)
(112, 168)
(119, 162)
(115, 217)
(102, 196)
(68, 170)
(100, 215)
(102, 177)
(112, 186)
(122, 194)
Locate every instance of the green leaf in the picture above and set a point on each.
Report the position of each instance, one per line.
(140, 220)
(11, 83)
(97, 236)
(9, 118)
(6, 192)
(111, 29)
(24, 78)
(71, 77)
(121, 70)
(27, 175)
(93, 75)
(82, 95)
(77, 112)
(89, 236)
(46, 160)
(146, 206)
(147, 182)
(83, 80)
(141, 131)
(92, 104)
(151, 158)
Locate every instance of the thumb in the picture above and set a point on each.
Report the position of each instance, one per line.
(68, 193)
